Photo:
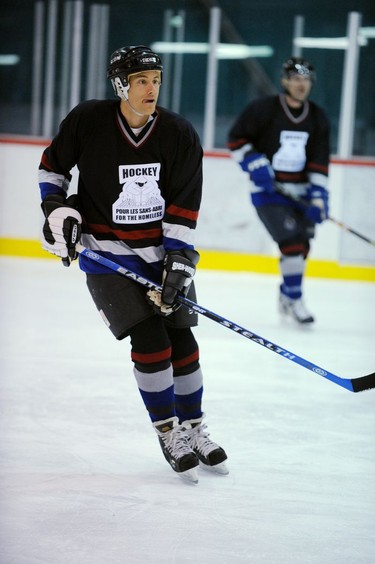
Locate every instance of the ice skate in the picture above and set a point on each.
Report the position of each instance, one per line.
(173, 440)
(295, 309)
(211, 456)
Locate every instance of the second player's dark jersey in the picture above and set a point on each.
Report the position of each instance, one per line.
(139, 195)
(295, 143)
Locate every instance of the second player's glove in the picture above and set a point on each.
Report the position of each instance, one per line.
(317, 210)
(260, 171)
(178, 274)
(62, 227)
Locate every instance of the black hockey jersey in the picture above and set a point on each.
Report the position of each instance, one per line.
(296, 144)
(140, 195)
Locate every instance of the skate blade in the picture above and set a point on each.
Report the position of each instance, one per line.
(220, 468)
(190, 475)
(306, 321)
(288, 315)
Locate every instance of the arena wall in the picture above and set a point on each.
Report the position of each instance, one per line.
(229, 235)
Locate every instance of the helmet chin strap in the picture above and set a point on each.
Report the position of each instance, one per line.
(286, 91)
(293, 98)
(122, 92)
(132, 109)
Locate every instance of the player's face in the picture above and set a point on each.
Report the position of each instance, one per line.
(144, 91)
(298, 86)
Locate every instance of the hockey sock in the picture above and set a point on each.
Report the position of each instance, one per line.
(187, 375)
(156, 389)
(292, 270)
(151, 354)
(188, 391)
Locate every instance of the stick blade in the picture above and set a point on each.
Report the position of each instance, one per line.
(364, 383)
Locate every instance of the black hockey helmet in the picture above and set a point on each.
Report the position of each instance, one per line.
(130, 60)
(297, 65)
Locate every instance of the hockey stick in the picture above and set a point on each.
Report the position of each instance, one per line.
(285, 193)
(353, 385)
(343, 226)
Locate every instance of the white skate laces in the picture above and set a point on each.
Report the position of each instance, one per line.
(211, 456)
(177, 452)
(188, 445)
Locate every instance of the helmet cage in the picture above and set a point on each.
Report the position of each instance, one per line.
(121, 86)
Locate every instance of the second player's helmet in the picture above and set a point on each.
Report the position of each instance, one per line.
(297, 65)
(130, 60)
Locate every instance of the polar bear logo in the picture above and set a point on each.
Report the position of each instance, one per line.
(291, 155)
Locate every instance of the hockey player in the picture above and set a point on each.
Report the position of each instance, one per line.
(139, 193)
(282, 142)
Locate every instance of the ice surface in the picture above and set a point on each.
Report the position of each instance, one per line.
(83, 480)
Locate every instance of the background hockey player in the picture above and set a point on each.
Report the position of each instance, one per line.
(282, 142)
(139, 193)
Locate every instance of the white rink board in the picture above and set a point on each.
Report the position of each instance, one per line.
(227, 219)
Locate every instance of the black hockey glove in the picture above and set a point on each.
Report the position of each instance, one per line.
(62, 227)
(179, 271)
